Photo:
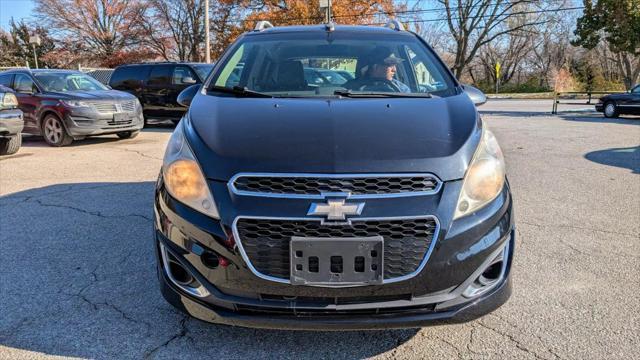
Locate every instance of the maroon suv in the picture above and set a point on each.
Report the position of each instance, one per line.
(64, 105)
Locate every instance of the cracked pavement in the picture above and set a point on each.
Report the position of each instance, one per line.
(77, 274)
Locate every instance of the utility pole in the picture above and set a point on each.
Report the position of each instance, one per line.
(325, 5)
(34, 40)
(207, 45)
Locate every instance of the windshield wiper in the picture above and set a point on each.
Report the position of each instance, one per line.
(240, 91)
(359, 94)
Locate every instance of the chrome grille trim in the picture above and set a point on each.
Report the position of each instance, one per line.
(233, 189)
(257, 273)
(112, 107)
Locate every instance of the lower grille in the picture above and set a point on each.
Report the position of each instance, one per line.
(266, 241)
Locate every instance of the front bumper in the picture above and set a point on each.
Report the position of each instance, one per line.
(235, 296)
(81, 124)
(11, 122)
(600, 107)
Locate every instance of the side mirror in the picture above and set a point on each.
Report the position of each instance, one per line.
(188, 80)
(187, 95)
(477, 96)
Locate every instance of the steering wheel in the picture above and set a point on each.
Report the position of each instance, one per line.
(369, 84)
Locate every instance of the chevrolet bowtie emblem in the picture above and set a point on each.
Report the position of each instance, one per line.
(335, 209)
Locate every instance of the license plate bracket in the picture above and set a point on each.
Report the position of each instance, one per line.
(121, 117)
(336, 261)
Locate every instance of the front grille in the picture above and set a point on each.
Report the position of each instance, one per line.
(266, 241)
(110, 107)
(128, 106)
(301, 312)
(120, 123)
(317, 185)
(104, 107)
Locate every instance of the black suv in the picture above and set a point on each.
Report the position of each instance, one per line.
(157, 85)
(377, 202)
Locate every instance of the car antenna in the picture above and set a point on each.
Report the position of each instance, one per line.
(325, 6)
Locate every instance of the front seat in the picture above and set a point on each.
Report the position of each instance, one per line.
(290, 77)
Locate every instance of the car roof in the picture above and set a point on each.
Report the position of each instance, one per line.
(39, 71)
(166, 63)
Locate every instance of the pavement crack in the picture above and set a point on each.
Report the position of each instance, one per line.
(180, 334)
(454, 347)
(93, 213)
(516, 342)
(470, 343)
(577, 228)
(140, 153)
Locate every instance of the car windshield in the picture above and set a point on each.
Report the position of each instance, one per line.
(319, 63)
(203, 70)
(63, 82)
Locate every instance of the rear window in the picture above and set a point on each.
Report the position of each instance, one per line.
(160, 75)
(128, 77)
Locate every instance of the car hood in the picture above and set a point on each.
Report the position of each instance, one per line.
(92, 95)
(230, 135)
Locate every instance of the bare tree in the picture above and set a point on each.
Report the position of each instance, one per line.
(475, 23)
(105, 28)
(175, 28)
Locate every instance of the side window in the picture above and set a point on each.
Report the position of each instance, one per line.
(424, 78)
(129, 77)
(636, 90)
(24, 83)
(160, 75)
(5, 80)
(182, 73)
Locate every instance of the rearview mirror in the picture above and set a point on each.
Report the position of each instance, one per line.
(187, 95)
(475, 94)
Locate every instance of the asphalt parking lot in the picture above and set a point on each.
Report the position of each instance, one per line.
(78, 276)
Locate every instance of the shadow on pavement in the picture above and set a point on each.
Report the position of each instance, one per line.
(79, 280)
(627, 158)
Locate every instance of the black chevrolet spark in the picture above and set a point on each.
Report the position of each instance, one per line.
(377, 201)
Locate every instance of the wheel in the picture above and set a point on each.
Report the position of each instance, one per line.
(54, 132)
(128, 134)
(610, 110)
(10, 145)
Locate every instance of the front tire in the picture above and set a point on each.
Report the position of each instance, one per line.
(54, 131)
(10, 145)
(128, 134)
(611, 110)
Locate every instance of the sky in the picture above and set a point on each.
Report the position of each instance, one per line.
(18, 9)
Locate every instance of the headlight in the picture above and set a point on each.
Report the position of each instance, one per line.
(183, 177)
(75, 103)
(485, 176)
(8, 101)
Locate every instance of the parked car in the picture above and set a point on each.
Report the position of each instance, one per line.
(11, 122)
(157, 85)
(614, 105)
(352, 206)
(65, 105)
(320, 77)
